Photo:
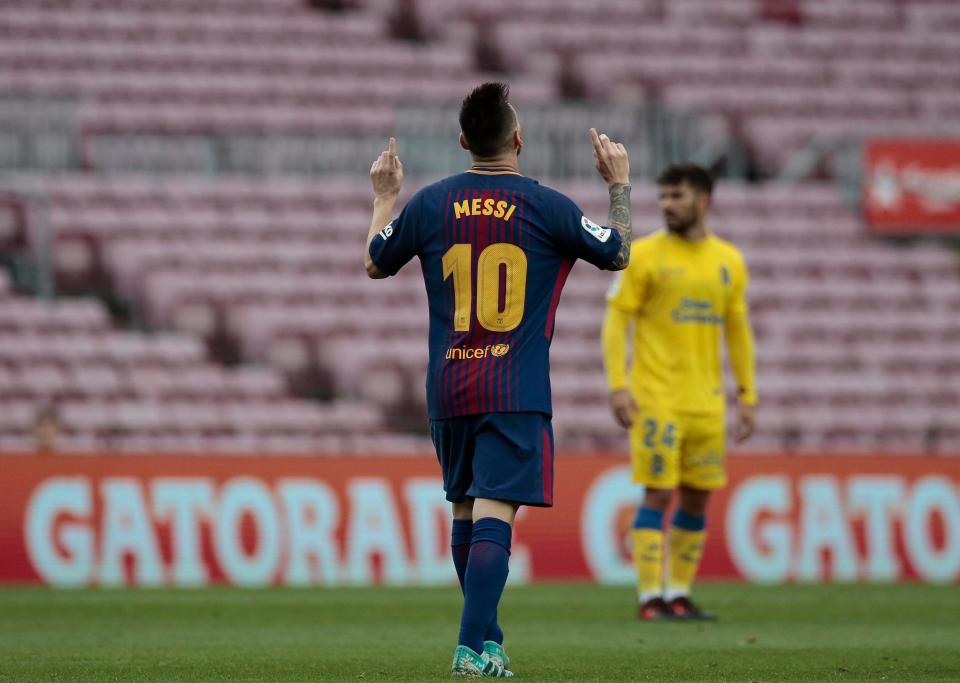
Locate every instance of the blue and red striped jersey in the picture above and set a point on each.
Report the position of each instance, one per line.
(495, 248)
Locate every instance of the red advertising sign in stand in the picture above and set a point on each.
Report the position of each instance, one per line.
(192, 521)
(912, 187)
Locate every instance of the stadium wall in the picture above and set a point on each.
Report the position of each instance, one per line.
(190, 521)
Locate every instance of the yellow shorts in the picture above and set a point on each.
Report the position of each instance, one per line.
(668, 449)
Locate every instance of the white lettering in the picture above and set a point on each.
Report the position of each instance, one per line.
(878, 499)
(933, 495)
(374, 530)
(185, 502)
(258, 568)
(56, 496)
(127, 530)
(824, 526)
(312, 514)
(763, 556)
(430, 531)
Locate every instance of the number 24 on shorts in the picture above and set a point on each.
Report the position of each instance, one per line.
(667, 438)
(650, 429)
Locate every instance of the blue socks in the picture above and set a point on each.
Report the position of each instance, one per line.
(483, 580)
(688, 522)
(648, 518)
(460, 545)
(460, 540)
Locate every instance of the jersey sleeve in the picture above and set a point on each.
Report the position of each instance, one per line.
(579, 237)
(399, 241)
(740, 343)
(613, 338)
(737, 303)
(629, 286)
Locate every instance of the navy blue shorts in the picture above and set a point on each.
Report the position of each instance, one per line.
(501, 456)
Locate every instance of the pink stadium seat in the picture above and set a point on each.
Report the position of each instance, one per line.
(858, 340)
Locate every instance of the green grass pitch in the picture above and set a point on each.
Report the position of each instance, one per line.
(559, 632)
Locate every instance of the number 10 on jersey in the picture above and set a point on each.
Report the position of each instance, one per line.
(501, 256)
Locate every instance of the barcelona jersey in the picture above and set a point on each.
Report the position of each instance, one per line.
(495, 248)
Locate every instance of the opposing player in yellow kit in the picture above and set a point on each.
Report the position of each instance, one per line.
(683, 290)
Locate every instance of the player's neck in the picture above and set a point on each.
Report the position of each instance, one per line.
(501, 163)
(697, 233)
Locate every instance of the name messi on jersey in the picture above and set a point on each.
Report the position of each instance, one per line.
(483, 207)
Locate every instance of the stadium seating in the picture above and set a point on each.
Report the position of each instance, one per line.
(160, 392)
(780, 79)
(839, 69)
(849, 331)
(857, 340)
(137, 70)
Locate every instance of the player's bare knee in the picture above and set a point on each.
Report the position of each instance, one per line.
(657, 499)
(694, 501)
(498, 509)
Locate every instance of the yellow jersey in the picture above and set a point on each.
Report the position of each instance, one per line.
(680, 297)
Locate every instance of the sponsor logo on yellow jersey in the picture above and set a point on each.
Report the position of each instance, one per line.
(695, 311)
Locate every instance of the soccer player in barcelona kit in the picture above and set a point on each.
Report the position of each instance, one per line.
(495, 248)
(682, 288)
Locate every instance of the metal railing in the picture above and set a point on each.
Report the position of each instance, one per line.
(44, 134)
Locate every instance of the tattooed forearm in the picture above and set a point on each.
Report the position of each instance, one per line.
(621, 220)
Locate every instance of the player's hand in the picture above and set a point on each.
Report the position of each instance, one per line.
(624, 408)
(611, 159)
(746, 422)
(386, 174)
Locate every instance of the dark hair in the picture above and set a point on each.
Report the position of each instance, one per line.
(486, 119)
(697, 176)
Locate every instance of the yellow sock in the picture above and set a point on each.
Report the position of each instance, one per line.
(686, 548)
(648, 557)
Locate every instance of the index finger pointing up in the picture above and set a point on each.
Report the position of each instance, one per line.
(596, 140)
(392, 147)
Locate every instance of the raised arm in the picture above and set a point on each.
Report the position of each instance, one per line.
(386, 175)
(613, 165)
